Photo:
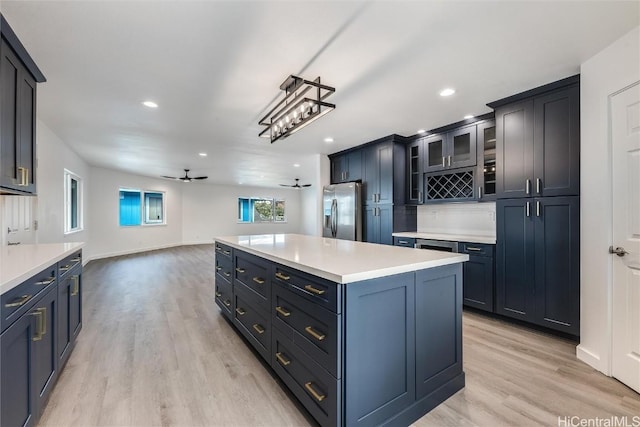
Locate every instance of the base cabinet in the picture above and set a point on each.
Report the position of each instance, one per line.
(479, 277)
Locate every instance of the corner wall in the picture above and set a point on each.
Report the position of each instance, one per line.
(612, 69)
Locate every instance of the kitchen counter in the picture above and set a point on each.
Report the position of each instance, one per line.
(491, 240)
(18, 263)
(340, 261)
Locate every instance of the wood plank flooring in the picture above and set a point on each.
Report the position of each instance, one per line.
(154, 350)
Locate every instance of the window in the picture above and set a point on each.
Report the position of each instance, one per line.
(254, 209)
(72, 202)
(135, 203)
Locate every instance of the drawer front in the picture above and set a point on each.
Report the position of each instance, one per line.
(253, 324)
(314, 289)
(478, 249)
(314, 387)
(224, 267)
(253, 272)
(224, 296)
(404, 241)
(311, 327)
(223, 250)
(69, 263)
(21, 298)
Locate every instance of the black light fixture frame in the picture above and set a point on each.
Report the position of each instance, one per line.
(298, 94)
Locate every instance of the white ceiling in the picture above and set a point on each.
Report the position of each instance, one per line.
(214, 66)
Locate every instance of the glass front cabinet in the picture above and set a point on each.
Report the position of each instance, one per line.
(486, 181)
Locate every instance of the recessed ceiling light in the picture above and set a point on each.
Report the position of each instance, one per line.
(150, 104)
(447, 92)
(202, 154)
(328, 139)
(422, 131)
(296, 165)
(469, 116)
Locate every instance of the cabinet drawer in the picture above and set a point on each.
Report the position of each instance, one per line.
(223, 250)
(314, 387)
(477, 249)
(315, 289)
(404, 241)
(253, 272)
(224, 267)
(224, 296)
(311, 327)
(69, 263)
(253, 324)
(21, 298)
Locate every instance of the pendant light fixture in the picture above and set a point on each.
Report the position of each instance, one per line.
(303, 103)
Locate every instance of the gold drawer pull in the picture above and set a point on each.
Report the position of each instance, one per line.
(218, 294)
(218, 248)
(18, 301)
(258, 280)
(282, 311)
(41, 328)
(258, 328)
(319, 397)
(283, 361)
(316, 291)
(76, 285)
(76, 259)
(227, 303)
(282, 276)
(49, 281)
(241, 311)
(226, 252)
(226, 273)
(240, 270)
(315, 334)
(218, 268)
(65, 267)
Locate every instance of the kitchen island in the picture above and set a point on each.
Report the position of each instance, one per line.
(361, 333)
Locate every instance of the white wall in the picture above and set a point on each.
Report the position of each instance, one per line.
(108, 238)
(210, 210)
(475, 219)
(612, 69)
(312, 197)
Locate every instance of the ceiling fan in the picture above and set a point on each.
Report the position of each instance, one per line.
(186, 177)
(296, 185)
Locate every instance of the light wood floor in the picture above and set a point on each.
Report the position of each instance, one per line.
(154, 350)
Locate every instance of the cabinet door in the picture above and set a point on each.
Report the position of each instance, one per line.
(45, 357)
(385, 219)
(353, 166)
(486, 177)
(557, 143)
(435, 152)
(75, 306)
(17, 396)
(461, 146)
(514, 259)
(64, 304)
(9, 83)
(338, 169)
(27, 134)
(478, 283)
(385, 173)
(557, 270)
(514, 145)
(371, 224)
(414, 173)
(371, 175)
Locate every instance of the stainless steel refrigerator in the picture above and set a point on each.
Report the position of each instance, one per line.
(342, 211)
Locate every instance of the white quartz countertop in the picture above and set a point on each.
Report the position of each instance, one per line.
(491, 240)
(18, 263)
(341, 261)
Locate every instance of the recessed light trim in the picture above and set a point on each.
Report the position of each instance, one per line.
(296, 165)
(469, 116)
(328, 139)
(203, 154)
(447, 91)
(150, 104)
(422, 131)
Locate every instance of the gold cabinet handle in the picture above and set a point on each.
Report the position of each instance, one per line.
(282, 276)
(18, 301)
(319, 397)
(314, 290)
(258, 328)
(218, 268)
(65, 267)
(241, 311)
(218, 294)
(46, 282)
(41, 328)
(24, 177)
(226, 252)
(283, 360)
(227, 303)
(76, 285)
(218, 248)
(282, 311)
(227, 274)
(317, 335)
(76, 259)
(258, 280)
(240, 270)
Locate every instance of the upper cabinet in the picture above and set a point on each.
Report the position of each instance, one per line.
(486, 175)
(415, 182)
(18, 78)
(538, 142)
(455, 149)
(346, 167)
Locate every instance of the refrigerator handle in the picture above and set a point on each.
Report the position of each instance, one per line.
(334, 217)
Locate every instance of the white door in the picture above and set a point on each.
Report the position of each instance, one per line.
(625, 136)
(18, 220)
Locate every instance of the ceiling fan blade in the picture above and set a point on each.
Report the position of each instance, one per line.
(306, 185)
(200, 177)
(170, 177)
(285, 185)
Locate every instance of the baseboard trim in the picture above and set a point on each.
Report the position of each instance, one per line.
(132, 251)
(592, 359)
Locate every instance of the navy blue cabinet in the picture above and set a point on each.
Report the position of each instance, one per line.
(378, 174)
(346, 167)
(478, 273)
(537, 265)
(378, 224)
(44, 347)
(69, 312)
(415, 181)
(407, 242)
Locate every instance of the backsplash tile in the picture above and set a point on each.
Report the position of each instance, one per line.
(476, 219)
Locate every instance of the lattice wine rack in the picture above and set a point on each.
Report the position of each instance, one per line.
(457, 185)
